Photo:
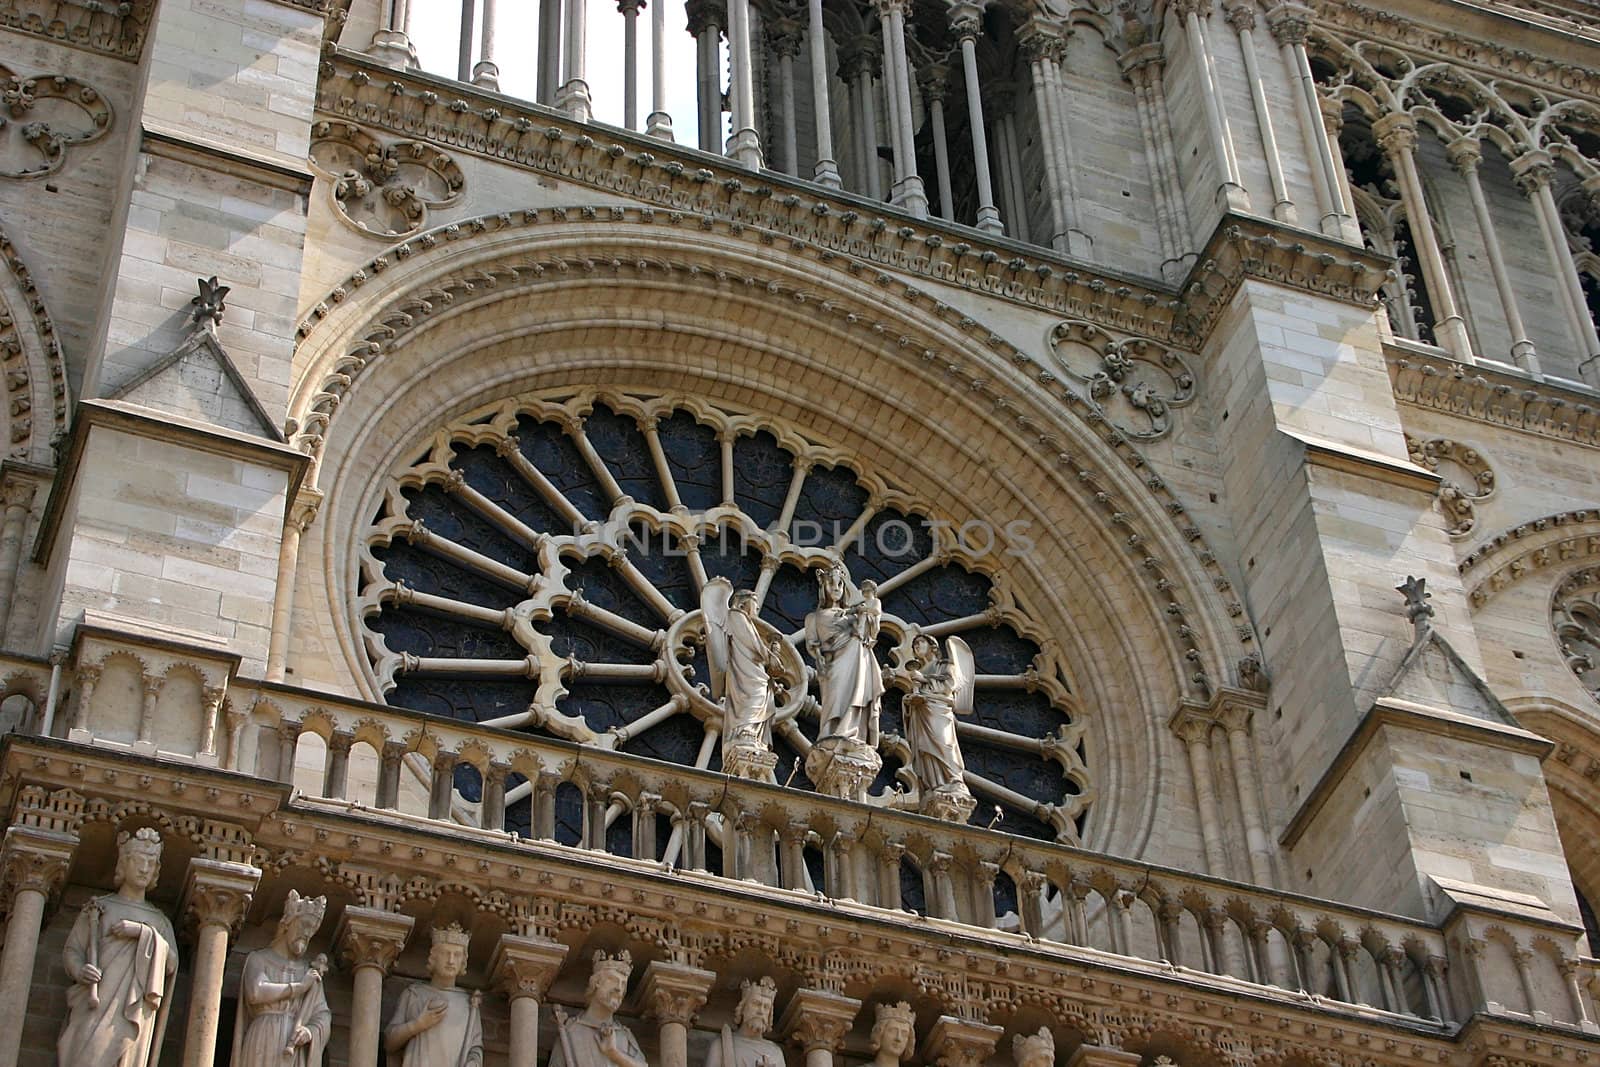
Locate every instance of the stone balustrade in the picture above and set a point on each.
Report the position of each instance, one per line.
(514, 790)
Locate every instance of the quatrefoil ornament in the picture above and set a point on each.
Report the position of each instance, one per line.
(385, 190)
(43, 116)
(1136, 384)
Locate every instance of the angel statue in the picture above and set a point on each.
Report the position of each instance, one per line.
(746, 657)
(941, 689)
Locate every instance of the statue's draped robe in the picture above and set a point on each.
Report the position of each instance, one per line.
(930, 721)
(749, 695)
(734, 1049)
(847, 674)
(457, 1040)
(136, 977)
(584, 1037)
(262, 1030)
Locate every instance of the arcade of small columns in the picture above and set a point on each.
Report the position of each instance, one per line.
(868, 60)
(869, 65)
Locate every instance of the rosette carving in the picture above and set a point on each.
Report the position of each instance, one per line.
(385, 190)
(1137, 384)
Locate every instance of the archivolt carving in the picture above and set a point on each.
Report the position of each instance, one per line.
(1136, 382)
(35, 371)
(1467, 478)
(46, 114)
(384, 190)
(315, 406)
(1575, 615)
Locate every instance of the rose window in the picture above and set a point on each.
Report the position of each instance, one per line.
(539, 565)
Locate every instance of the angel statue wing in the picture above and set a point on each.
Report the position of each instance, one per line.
(714, 610)
(963, 674)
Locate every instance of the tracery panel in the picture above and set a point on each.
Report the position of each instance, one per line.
(540, 566)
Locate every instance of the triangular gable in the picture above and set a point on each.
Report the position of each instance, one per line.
(200, 379)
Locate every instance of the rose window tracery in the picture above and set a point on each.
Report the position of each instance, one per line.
(539, 565)
(1575, 614)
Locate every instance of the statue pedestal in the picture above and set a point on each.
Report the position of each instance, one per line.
(749, 761)
(952, 804)
(843, 767)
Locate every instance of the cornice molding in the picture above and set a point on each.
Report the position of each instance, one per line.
(357, 89)
(1244, 248)
(1495, 397)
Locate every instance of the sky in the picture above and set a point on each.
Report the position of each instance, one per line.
(436, 31)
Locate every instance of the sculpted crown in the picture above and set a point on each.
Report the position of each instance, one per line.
(144, 841)
(621, 963)
(299, 907)
(899, 1012)
(451, 935)
(766, 989)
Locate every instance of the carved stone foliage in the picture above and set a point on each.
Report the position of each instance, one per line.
(383, 189)
(44, 115)
(1135, 382)
(553, 552)
(1467, 478)
(1575, 615)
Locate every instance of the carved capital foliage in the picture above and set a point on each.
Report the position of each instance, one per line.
(525, 966)
(34, 860)
(1241, 14)
(1533, 171)
(957, 1042)
(219, 893)
(1396, 133)
(818, 1019)
(1041, 39)
(673, 992)
(1184, 8)
(383, 189)
(369, 937)
(706, 16)
(1290, 23)
(1464, 153)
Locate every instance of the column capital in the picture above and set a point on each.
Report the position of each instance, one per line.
(934, 80)
(1100, 1056)
(371, 937)
(966, 21)
(17, 491)
(1290, 23)
(819, 1020)
(1184, 8)
(629, 7)
(1396, 133)
(1142, 62)
(34, 859)
(1041, 38)
(218, 892)
(706, 16)
(673, 992)
(1533, 171)
(525, 966)
(1241, 14)
(885, 8)
(786, 37)
(957, 1042)
(1192, 722)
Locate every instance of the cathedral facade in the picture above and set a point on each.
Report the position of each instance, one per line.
(1051, 532)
